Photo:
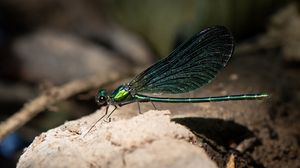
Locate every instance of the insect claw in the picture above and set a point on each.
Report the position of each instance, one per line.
(107, 120)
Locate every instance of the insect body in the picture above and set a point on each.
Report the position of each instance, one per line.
(190, 66)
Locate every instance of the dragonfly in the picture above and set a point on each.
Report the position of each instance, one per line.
(190, 66)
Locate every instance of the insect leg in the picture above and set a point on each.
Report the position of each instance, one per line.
(139, 107)
(153, 105)
(108, 116)
(106, 110)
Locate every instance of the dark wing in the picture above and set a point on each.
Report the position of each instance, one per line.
(190, 66)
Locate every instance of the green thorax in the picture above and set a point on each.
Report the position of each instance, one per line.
(121, 94)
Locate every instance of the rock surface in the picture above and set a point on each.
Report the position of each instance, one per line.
(148, 140)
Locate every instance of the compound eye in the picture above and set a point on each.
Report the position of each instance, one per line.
(101, 100)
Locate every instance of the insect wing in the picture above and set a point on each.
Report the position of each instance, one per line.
(190, 66)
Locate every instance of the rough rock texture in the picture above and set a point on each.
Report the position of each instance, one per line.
(148, 140)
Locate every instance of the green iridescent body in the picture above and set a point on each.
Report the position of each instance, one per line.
(190, 66)
(122, 96)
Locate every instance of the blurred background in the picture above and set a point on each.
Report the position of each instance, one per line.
(51, 42)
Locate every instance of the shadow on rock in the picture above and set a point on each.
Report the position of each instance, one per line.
(220, 131)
